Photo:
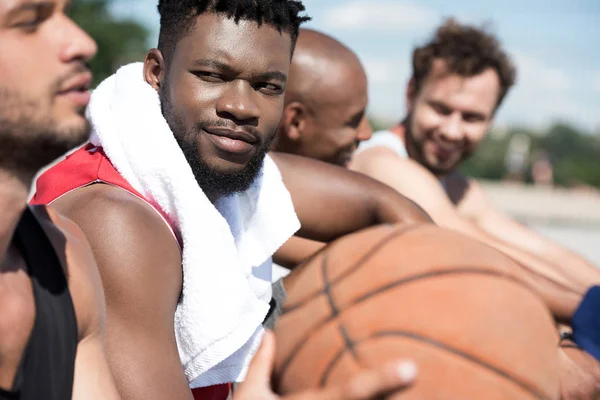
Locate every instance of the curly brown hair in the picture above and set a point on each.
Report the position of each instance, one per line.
(466, 51)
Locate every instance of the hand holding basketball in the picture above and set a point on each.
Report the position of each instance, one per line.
(365, 385)
(579, 374)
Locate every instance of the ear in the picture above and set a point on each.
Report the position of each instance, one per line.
(154, 68)
(411, 93)
(294, 120)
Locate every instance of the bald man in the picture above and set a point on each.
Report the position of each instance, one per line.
(323, 118)
(325, 101)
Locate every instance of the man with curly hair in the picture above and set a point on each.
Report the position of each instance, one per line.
(459, 80)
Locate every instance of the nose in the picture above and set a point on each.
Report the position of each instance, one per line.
(237, 102)
(451, 127)
(364, 130)
(79, 45)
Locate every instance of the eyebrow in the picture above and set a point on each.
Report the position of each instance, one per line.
(356, 118)
(30, 5)
(272, 75)
(265, 76)
(476, 114)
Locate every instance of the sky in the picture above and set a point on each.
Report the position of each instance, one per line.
(554, 44)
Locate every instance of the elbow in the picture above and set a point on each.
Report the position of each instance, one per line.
(397, 209)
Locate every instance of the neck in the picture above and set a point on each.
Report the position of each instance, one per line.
(400, 130)
(213, 196)
(14, 190)
(282, 144)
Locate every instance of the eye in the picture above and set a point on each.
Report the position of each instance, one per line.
(269, 88)
(473, 117)
(209, 76)
(441, 109)
(29, 20)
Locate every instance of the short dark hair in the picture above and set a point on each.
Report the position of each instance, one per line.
(466, 51)
(177, 16)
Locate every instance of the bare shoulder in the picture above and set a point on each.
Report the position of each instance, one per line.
(386, 165)
(129, 239)
(115, 220)
(73, 250)
(365, 158)
(292, 163)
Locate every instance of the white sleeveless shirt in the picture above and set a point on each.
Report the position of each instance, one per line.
(385, 139)
(389, 140)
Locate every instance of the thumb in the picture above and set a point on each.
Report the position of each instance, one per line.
(259, 370)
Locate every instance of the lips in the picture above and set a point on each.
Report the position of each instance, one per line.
(233, 134)
(77, 90)
(80, 83)
(232, 141)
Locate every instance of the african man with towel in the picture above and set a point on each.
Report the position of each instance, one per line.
(183, 209)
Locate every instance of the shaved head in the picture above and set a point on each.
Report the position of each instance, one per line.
(321, 67)
(325, 100)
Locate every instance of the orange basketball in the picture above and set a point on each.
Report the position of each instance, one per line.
(456, 307)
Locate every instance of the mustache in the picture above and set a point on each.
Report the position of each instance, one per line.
(219, 123)
(80, 68)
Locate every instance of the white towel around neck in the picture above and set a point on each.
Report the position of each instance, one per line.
(227, 249)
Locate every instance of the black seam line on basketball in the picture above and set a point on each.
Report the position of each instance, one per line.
(334, 313)
(330, 367)
(411, 279)
(327, 288)
(374, 249)
(349, 341)
(466, 270)
(411, 335)
(349, 346)
(362, 260)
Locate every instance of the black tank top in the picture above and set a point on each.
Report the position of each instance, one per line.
(47, 365)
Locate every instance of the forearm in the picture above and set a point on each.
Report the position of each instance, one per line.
(295, 251)
(560, 293)
(580, 272)
(576, 268)
(390, 207)
(334, 201)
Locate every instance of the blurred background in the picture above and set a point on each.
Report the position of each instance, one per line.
(541, 162)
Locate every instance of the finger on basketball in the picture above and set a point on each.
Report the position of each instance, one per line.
(372, 383)
(259, 370)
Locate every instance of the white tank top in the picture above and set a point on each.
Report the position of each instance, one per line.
(385, 139)
(391, 141)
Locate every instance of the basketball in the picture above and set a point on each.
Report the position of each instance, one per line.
(457, 308)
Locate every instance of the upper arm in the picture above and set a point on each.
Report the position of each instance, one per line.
(332, 201)
(92, 379)
(410, 179)
(140, 267)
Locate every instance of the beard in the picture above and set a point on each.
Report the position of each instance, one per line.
(30, 140)
(416, 151)
(214, 183)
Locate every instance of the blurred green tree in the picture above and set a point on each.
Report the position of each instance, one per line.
(120, 41)
(575, 155)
